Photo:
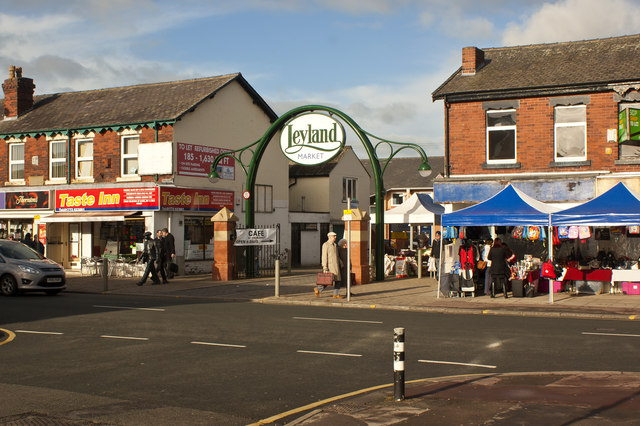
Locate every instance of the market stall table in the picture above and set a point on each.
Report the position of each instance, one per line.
(575, 274)
(618, 275)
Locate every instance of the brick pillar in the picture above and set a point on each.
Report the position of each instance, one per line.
(224, 228)
(359, 245)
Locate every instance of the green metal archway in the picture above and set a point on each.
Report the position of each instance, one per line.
(258, 148)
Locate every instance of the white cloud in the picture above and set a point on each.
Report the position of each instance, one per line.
(571, 20)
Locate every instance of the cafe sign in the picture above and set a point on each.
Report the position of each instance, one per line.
(312, 138)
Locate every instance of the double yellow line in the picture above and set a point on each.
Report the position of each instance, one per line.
(10, 337)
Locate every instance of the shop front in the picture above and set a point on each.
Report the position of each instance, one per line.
(20, 212)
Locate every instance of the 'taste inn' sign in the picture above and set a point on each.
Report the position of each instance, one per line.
(312, 138)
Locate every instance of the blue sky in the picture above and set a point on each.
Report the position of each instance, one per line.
(376, 60)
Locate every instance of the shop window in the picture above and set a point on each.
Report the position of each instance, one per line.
(397, 198)
(130, 155)
(84, 158)
(198, 238)
(629, 131)
(264, 198)
(570, 133)
(16, 161)
(501, 136)
(349, 189)
(58, 160)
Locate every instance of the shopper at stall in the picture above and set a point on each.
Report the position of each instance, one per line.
(487, 271)
(435, 250)
(499, 269)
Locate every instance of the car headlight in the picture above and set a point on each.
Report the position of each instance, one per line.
(29, 269)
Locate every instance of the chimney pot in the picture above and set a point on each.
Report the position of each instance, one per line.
(12, 71)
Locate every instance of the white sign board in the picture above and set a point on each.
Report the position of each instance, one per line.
(312, 138)
(155, 158)
(255, 237)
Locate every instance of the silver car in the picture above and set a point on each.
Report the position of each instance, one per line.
(24, 269)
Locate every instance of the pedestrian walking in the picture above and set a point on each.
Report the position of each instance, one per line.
(330, 263)
(343, 256)
(170, 255)
(161, 256)
(149, 255)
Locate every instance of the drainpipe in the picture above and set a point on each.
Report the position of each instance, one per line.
(447, 166)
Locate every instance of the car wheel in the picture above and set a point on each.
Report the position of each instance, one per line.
(8, 285)
(52, 292)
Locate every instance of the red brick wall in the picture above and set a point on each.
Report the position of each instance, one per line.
(106, 155)
(534, 140)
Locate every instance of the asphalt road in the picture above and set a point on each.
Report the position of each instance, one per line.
(137, 359)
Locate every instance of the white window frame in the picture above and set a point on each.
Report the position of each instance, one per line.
(80, 159)
(392, 200)
(557, 125)
(264, 198)
(13, 162)
(124, 157)
(349, 187)
(501, 128)
(53, 161)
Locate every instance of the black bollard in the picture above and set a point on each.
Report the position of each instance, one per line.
(398, 364)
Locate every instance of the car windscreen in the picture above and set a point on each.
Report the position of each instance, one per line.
(18, 251)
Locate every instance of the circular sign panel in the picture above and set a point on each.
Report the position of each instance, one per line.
(246, 195)
(312, 138)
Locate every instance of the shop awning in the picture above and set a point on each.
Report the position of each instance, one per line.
(419, 209)
(89, 217)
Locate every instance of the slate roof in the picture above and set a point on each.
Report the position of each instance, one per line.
(402, 172)
(568, 65)
(122, 105)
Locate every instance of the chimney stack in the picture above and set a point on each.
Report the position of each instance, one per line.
(472, 59)
(18, 94)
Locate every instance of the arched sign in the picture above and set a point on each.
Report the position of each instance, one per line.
(312, 138)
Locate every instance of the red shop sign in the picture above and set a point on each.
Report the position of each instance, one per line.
(195, 199)
(107, 199)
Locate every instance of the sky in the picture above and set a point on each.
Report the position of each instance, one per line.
(378, 61)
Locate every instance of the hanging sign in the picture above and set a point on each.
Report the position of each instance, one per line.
(312, 138)
(255, 237)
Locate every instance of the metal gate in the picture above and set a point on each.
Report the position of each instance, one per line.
(263, 257)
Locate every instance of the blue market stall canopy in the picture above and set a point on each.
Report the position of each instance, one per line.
(617, 207)
(416, 210)
(509, 207)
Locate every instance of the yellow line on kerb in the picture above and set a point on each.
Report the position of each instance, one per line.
(632, 317)
(346, 395)
(8, 339)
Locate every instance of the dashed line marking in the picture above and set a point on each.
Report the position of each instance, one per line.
(106, 336)
(228, 345)
(337, 320)
(56, 333)
(130, 308)
(611, 334)
(468, 364)
(328, 353)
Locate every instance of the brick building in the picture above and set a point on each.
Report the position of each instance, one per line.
(93, 170)
(542, 117)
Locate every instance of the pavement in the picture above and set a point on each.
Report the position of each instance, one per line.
(571, 397)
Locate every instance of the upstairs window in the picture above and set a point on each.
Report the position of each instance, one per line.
(130, 155)
(84, 158)
(397, 198)
(16, 161)
(264, 198)
(501, 136)
(570, 133)
(58, 160)
(349, 189)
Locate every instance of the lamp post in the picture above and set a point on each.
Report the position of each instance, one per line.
(258, 148)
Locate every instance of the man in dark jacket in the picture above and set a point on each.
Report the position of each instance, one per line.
(150, 255)
(161, 251)
(170, 255)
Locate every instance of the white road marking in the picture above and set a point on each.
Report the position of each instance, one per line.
(39, 332)
(337, 320)
(327, 353)
(430, 361)
(129, 307)
(219, 344)
(124, 337)
(611, 334)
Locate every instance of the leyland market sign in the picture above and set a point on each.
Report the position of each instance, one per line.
(311, 139)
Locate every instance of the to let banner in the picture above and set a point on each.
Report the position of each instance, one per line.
(255, 237)
(196, 160)
(107, 199)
